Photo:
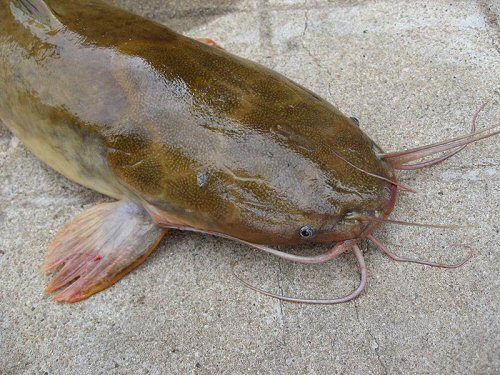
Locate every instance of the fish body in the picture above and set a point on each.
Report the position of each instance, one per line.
(184, 135)
(129, 108)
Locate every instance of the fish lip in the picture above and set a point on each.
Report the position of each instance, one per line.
(372, 227)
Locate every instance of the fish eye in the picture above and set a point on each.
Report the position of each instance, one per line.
(355, 120)
(306, 231)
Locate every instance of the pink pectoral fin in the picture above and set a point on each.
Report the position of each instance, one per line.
(98, 248)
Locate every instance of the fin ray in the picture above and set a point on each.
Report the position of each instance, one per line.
(98, 248)
(39, 10)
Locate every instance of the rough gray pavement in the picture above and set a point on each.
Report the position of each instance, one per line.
(412, 72)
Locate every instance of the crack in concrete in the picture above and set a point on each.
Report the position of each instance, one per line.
(356, 311)
(264, 6)
(377, 352)
(315, 59)
(281, 316)
(377, 349)
(280, 286)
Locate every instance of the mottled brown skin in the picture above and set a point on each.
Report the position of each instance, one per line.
(129, 108)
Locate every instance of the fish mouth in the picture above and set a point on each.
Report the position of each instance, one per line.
(378, 220)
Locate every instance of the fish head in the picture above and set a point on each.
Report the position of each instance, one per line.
(303, 184)
(287, 186)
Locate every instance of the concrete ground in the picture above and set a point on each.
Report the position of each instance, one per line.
(412, 72)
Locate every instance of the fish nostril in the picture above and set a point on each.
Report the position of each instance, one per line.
(351, 215)
(355, 120)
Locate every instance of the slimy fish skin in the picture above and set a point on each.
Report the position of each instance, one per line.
(184, 135)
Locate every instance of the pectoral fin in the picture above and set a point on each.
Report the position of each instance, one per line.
(98, 248)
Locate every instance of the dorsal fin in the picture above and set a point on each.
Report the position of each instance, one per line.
(38, 10)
